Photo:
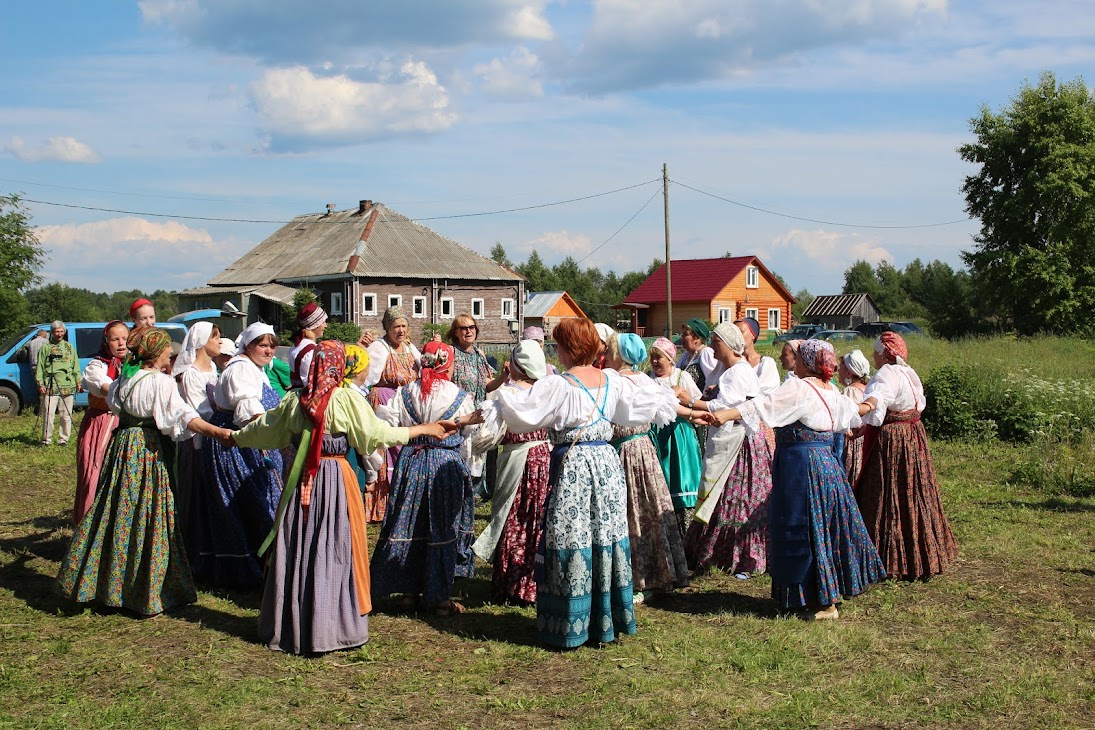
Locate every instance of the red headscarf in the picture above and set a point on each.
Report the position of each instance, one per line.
(113, 364)
(818, 355)
(137, 305)
(328, 369)
(437, 360)
(892, 346)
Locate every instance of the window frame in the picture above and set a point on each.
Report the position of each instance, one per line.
(398, 300)
(512, 309)
(425, 310)
(368, 311)
(336, 303)
(752, 277)
(452, 308)
(752, 312)
(725, 314)
(779, 317)
(478, 313)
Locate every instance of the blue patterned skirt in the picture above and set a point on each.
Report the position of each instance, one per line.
(819, 549)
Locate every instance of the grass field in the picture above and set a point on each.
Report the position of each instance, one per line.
(1005, 639)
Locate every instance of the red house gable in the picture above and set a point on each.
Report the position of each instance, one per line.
(697, 280)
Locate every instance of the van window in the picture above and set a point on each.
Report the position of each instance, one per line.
(88, 341)
(12, 341)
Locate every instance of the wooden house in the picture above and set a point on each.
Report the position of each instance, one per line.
(841, 311)
(360, 262)
(720, 290)
(547, 309)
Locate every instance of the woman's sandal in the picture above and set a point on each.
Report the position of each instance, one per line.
(448, 608)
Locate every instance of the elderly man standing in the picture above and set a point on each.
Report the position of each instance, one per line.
(57, 373)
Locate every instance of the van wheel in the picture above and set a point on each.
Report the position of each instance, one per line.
(9, 402)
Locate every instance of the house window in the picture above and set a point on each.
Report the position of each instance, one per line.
(447, 308)
(773, 319)
(752, 312)
(477, 308)
(726, 314)
(509, 306)
(336, 304)
(368, 304)
(395, 300)
(752, 277)
(200, 304)
(418, 307)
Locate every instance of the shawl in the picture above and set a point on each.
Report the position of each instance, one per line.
(667, 348)
(437, 359)
(819, 357)
(113, 364)
(145, 344)
(856, 362)
(893, 346)
(357, 361)
(731, 335)
(328, 369)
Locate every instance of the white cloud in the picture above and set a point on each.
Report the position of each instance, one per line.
(54, 149)
(556, 245)
(289, 31)
(299, 108)
(132, 252)
(513, 77)
(826, 250)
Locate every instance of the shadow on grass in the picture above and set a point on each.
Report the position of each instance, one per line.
(510, 628)
(28, 439)
(713, 602)
(38, 590)
(1051, 504)
(241, 627)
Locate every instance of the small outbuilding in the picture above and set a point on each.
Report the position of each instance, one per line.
(546, 309)
(841, 311)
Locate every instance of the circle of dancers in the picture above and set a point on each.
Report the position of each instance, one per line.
(613, 479)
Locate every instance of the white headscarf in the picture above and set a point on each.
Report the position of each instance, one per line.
(252, 333)
(529, 356)
(228, 347)
(604, 332)
(857, 363)
(196, 338)
(729, 333)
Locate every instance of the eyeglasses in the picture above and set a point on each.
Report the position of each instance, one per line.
(468, 327)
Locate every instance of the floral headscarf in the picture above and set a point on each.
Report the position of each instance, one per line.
(357, 361)
(437, 359)
(391, 316)
(328, 368)
(893, 346)
(819, 357)
(113, 364)
(666, 346)
(145, 345)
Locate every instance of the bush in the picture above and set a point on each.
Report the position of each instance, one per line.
(347, 332)
(978, 404)
(1060, 466)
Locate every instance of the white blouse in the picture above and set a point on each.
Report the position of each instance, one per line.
(737, 385)
(239, 389)
(768, 374)
(95, 378)
(192, 384)
(815, 405)
(152, 394)
(709, 366)
(855, 394)
(679, 378)
(557, 403)
(305, 362)
(896, 388)
(441, 396)
(378, 358)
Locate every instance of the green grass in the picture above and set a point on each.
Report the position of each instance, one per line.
(1005, 639)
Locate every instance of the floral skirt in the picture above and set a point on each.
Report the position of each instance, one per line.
(514, 575)
(735, 539)
(899, 497)
(126, 552)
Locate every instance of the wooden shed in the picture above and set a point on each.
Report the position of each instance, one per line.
(547, 309)
(841, 311)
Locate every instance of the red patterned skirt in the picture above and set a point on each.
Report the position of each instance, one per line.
(898, 496)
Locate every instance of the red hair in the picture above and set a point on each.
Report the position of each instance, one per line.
(579, 337)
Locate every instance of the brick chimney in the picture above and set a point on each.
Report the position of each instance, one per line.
(363, 206)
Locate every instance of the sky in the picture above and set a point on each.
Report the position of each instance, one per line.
(811, 133)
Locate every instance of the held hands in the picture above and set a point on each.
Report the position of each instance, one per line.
(438, 430)
(682, 395)
(225, 436)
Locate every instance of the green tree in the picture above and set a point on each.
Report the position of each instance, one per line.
(21, 257)
(58, 301)
(498, 255)
(539, 276)
(803, 297)
(1034, 192)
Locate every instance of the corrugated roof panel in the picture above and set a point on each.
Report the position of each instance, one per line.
(835, 305)
(540, 303)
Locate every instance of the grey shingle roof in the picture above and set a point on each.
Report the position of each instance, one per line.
(837, 305)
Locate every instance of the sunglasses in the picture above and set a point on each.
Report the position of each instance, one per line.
(468, 327)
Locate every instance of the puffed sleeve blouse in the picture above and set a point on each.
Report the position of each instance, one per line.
(737, 384)
(767, 374)
(378, 358)
(152, 394)
(96, 378)
(895, 388)
(239, 389)
(813, 404)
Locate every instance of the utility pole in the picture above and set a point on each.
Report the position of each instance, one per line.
(668, 259)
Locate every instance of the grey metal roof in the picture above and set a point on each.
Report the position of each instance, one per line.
(540, 303)
(830, 305)
(273, 292)
(318, 245)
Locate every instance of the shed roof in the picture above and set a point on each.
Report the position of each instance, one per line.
(838, 305)
(698, 280)
(320, 245)
(541, 303)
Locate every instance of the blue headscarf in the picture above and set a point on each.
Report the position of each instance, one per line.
(632, 348)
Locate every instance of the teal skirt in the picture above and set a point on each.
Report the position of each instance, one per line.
(682, 461)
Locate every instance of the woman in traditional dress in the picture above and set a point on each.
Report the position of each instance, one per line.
(99, 422)
(425, 541)
(126, 552)
(678, 448)
(787, 358)
(241, 486)
(473, 373)
(311, 322)
(583, 586)
(317, 594)
(697, 358)
(897, 491)
(196, 374)
(142, 313)
(765, 367)
(658, 563)
(854, 372)
(510, 539)
(730, 528)
(818, 549)
(393, 363)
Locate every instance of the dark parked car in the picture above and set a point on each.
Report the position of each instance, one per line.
(874, 329)
(911, 328)
(837, 335)
(798, 332)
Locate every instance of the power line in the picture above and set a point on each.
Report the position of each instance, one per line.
(534, 207)
(815, 220)
(640, 210)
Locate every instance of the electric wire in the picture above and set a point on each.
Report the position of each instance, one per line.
(625, 225)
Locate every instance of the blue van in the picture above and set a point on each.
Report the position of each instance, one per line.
(17, 387)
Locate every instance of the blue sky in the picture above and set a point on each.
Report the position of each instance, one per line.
(847, 111)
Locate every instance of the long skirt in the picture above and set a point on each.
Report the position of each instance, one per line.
(376, 496)
(91, 445)
(657, 550)
(126, 552)
(239, 496)
(317, 595)
(188, 464)
(899, 497)
(583, 589)
(681, 456)
(425, 541)
(819, 549)
(735, 539)
(853, 458)
(515, 557)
